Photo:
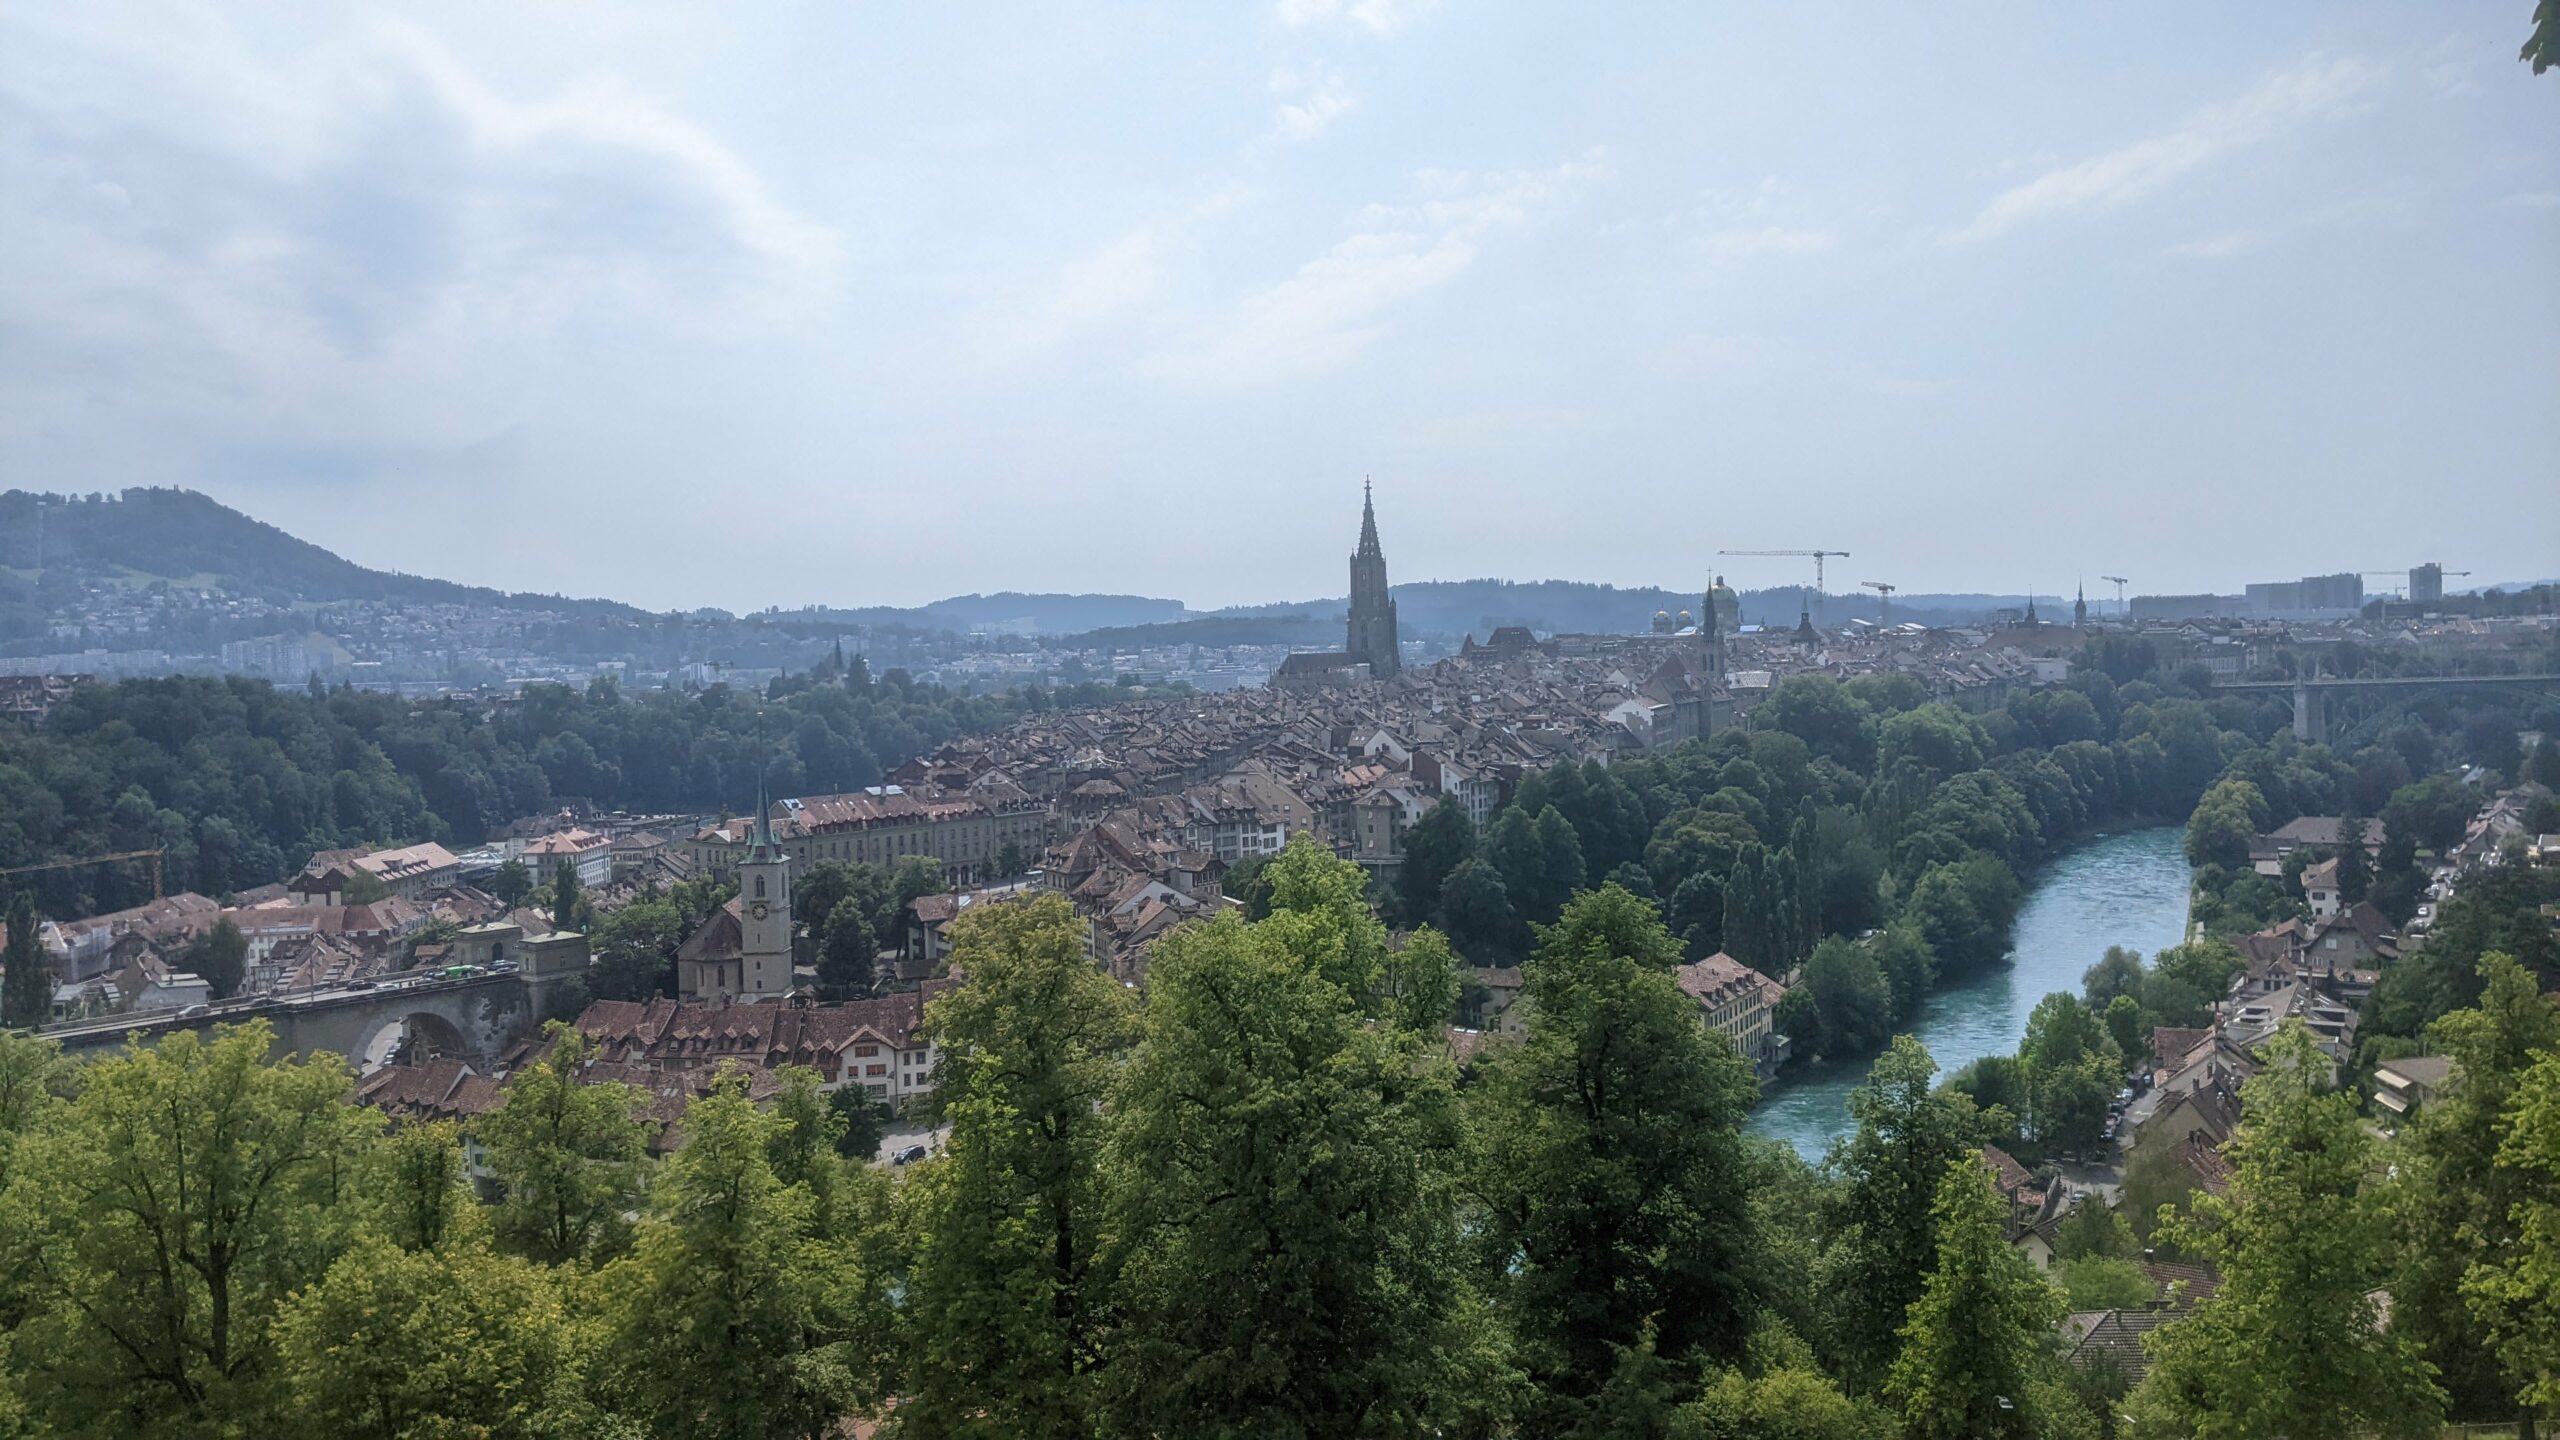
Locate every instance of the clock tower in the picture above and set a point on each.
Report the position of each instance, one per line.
(764, 912)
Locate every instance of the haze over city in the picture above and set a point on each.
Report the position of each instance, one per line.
(687, 307)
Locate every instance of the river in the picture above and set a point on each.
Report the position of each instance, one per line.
(2128, 889)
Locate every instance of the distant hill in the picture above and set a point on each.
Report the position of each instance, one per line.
(191, 539)
(1010, 613)
(187, 538)
(1302, 631)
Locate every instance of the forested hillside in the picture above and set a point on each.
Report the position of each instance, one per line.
(181, 535)
(240, 781)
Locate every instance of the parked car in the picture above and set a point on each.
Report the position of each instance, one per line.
(907, 1156)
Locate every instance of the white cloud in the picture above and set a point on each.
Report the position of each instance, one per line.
(1122, 276)
(2318, 87)
(1766, 219)
(606, 115)
(1313, 106)
(1378, 17)
(1770, 240)
(1322, 317)
(2223, 246)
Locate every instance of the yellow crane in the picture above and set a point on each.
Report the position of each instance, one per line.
(152, 855)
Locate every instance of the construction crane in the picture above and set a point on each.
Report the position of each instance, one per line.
(1884, 600)
(151, 855)
(2119, 582)
(1818, 557)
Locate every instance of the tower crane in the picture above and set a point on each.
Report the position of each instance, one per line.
(2119, 582)
(1884, 600)
(1818, 557)
(152, 855)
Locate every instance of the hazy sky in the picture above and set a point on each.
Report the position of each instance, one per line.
(773, 304)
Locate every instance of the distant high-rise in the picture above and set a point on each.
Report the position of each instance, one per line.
(1372, 628)
(2426, 584)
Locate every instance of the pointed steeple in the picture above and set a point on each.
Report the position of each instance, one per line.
(1368, 522)
(761, 846)
(2031, 607)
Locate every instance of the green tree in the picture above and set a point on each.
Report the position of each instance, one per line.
(2093, 1230)
(2104, 1282)
(2515, 1293)
(1884, 1238)
(158, 1227)
(635, 950)
(566, 897)
(26, 991)
(566, 1156)
(731, 1319)
(1964, 910)
(2070, 1068)
(1419, 986)
(395, 1343)
(1910, 969)
(1609, 1160)
(1779, 1404)
(1320, 911)
(1008, 1308)
(1850, 1004)
(1975, 1354)
(2355, 868)
(2292, 1344)
(2118, 972)
(1285, 1239)
(1438, 843)
(2457, 1205)
(418, 1190)
(861, 1122)
(1476, 907)
(2228, 817)
(510, 883)
(845, 964)
(220, 958)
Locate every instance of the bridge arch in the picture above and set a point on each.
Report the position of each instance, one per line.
(408, 1033)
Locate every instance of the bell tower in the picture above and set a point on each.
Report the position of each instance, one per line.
(764, 911)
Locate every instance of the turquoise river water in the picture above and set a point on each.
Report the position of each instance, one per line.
(2128, 889)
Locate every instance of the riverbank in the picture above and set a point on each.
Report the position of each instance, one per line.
(2129, 888)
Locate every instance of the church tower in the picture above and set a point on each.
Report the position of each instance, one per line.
(764, 912)
(1711, 631)
(1372, 630)
(2080, 608)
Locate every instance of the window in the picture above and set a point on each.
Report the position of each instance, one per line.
(875, 1070)
(866, 1051)
(759, 887)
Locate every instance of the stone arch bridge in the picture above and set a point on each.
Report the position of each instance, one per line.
(472, 1017)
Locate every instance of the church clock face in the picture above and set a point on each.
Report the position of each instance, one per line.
(761, 909)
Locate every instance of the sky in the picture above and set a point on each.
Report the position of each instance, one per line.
(850, 304)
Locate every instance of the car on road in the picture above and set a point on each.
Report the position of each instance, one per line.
(907, 1156)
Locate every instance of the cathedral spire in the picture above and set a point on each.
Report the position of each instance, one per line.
(1371, 629)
